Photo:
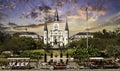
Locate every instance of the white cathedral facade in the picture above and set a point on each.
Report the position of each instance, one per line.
(56, 36)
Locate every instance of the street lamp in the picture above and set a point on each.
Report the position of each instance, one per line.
(51, 55)
(87, 34)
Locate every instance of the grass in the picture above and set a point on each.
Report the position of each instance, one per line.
(36, 50)
(55, 52)
(2, 60)
(70, 51)
(2, 56)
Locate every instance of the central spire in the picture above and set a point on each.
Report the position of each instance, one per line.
(56, 17)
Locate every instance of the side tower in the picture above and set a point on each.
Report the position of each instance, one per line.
(66, 39)
(45, 34)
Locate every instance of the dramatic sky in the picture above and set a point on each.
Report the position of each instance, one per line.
(101, 13)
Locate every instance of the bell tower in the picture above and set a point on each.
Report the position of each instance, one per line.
(45, 34)
(66, 40)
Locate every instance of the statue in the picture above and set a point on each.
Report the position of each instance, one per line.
(55, 41)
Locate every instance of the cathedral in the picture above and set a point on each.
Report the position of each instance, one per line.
(56, 37)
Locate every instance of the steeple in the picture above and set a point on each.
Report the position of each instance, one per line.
(45, 27)
(56, 17)
(66, 26)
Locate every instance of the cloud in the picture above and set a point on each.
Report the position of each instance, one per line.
(22, 1)
(111, 21)
(3, 16)
(1, 6)
(23, 16)
(82, 13)
(40, 19)
(38, 12)
(73, 16)
(11, 6)
(44, 8)
(33, 14)
(94, 12)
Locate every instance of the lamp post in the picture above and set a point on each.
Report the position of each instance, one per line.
(61, 55)
(67, 57)
(51, 55)
(45, 49)
(87, 35)
(45, 56)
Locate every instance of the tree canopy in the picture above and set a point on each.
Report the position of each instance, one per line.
(17, 44)
(104, 43)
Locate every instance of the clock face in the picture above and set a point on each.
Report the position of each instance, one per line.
(56, 26)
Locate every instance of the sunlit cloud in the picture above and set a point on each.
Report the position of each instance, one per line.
(93, 14)
(72, 16)
(109, 22)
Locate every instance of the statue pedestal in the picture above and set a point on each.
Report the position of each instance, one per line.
(56, 46)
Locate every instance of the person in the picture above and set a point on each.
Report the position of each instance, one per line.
(68, 66)
(3, 67)
(51, 67)
(22, 64)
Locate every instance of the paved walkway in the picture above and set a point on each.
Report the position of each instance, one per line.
(69, 70)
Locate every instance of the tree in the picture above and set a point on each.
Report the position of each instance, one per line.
(39, 44)
(98, 34)
(1, 37)
(28, 43)
(72, 44)
(47, 46)
(17, 44)
(14, 45)
(104, 31)
(4, 37)
(81, 52)
(34, 55)
(113, 51)
(92, 51)
(98, 43)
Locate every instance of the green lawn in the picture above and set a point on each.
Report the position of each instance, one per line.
(70, 51)
(36, 50)
(2, 60)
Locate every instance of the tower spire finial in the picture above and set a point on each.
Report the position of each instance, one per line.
(66, 26)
